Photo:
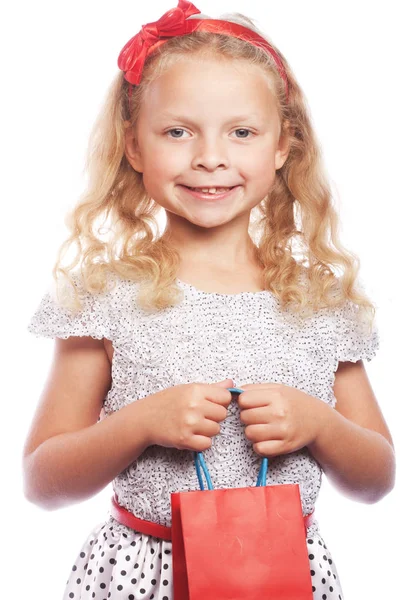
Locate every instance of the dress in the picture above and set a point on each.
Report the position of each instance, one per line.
(207, 338)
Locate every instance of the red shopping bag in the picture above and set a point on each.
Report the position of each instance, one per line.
(240, 543)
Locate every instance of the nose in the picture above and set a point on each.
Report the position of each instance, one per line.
(210, 154)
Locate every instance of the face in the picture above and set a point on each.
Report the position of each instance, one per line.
(208, 124)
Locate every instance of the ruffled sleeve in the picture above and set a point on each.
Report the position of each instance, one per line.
(353, 338)
(53, 320)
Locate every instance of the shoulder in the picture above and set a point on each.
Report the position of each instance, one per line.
(102, 314)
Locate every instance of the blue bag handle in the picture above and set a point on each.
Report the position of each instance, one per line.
(199, 462)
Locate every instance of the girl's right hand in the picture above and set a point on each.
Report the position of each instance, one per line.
(186, 416)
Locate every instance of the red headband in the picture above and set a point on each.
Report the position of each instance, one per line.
(174, 23)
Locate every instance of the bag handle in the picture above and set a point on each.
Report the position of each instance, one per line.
(200, 462)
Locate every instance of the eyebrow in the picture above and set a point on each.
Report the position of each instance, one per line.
(247, 117)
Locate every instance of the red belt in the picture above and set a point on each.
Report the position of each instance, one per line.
(123, 516)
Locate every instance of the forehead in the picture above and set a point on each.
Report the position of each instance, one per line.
(207, 86)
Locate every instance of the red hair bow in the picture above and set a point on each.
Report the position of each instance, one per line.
(134, 53)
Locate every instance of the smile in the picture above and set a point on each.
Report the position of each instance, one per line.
(211, 190)
(214, 193)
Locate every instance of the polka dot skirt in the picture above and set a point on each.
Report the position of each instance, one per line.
(121, 564)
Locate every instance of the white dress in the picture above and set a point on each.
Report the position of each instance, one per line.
(209, 337)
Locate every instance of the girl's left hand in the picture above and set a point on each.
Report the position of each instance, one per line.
(279, 419)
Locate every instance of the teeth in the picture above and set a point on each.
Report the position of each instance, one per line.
(212, 190)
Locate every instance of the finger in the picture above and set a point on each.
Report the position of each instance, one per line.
(254, 399)
(214, 411)
(218, 395)
(270, 449)
(258, 386)
(262, 433)
(200, 443)
(207, 428)
(261, 415)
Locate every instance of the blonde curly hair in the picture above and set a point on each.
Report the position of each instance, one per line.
(295, 228)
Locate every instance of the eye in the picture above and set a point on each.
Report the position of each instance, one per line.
(243, 131)
(176, 130)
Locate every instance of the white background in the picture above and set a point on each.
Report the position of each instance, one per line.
(57, 62)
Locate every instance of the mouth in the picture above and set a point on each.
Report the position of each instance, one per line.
(211, 193)
(210, 190)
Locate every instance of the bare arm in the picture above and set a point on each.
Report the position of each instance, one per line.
(68, 456)
(354, 446)
(71, 467)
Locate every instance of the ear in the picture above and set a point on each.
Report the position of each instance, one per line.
(283, 149)
(132, 150)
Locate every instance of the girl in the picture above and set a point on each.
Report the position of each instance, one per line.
(207, 121)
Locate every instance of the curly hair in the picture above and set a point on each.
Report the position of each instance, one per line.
(295, 227)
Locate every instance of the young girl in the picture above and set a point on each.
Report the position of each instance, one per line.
(205, 120)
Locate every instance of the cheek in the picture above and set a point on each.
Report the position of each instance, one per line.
(163, 162)
(259, 163)
(260, 171)
(161, 169)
